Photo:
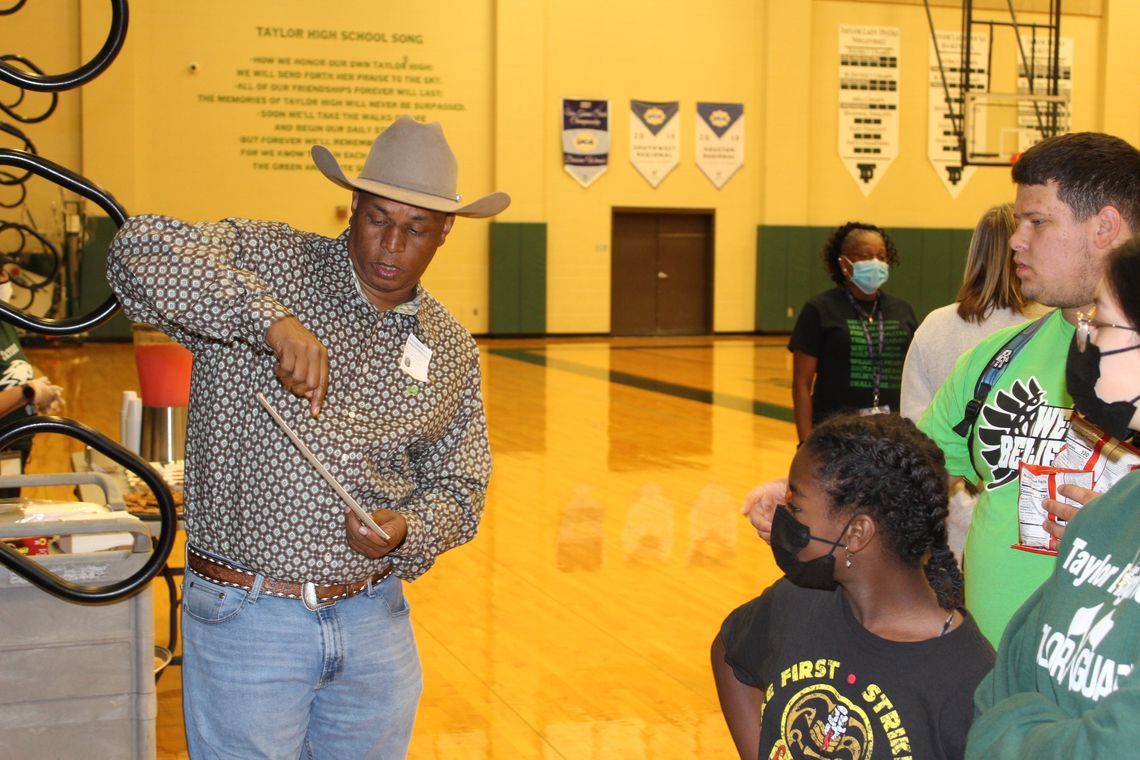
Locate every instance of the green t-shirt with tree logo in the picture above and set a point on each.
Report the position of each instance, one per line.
(1024, 419)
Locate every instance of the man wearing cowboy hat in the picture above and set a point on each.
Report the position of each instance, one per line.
(295, 629)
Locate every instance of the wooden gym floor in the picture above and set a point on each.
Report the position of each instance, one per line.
(577, 624)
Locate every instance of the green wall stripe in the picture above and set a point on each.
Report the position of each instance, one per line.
(518, 278)
(790, 269)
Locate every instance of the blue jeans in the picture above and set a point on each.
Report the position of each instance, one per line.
(264, 677)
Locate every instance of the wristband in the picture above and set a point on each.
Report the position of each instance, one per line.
(29, 398)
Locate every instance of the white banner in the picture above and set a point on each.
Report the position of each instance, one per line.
(654, 139)
(585, 138)
(720, 140)
(868, 101)
(943, 147)
(1031, 121)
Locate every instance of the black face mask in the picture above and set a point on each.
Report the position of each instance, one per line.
(789, 536)
(1082, 371)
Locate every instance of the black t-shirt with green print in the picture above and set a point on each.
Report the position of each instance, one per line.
(836, 332)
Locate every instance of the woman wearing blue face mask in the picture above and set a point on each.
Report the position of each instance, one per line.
(862, 649)
(849, 342)
(1066, 683)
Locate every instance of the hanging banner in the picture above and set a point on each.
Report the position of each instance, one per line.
(585, 138)
(1036, 122)
(868, 101)
(720, 140)
(654, 139)
(944, 122)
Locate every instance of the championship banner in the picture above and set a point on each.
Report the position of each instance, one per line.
(868, 101)
(585, 138)
(654, 139)
(1029, 119)
(945, 120)
(720, 140)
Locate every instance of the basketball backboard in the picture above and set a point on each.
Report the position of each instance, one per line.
(998, 127)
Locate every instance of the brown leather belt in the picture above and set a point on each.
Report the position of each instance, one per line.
(312, 595)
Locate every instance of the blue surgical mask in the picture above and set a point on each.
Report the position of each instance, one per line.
(869, 275)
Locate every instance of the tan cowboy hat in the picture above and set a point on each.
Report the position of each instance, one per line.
(411, 163)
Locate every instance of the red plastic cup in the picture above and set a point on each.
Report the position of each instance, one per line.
(164, 368)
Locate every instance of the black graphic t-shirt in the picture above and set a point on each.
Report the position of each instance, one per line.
(832, 689)
(836, 333)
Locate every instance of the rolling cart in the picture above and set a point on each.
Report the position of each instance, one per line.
(77, 628)
(76, 680)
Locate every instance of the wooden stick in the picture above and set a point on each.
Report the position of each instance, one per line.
(352, 503)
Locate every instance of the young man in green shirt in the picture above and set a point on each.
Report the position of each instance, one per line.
(1078, 197)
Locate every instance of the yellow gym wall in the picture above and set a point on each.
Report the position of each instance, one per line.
(668, 50)
(57, 137)
(143, 132)
(910, 193)
(180, 122)
(778, 58)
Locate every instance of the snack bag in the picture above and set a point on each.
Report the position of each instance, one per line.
(1087, 447)
(1089, 458)
(1039, 482)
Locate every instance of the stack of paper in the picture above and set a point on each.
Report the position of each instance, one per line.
(94, 542)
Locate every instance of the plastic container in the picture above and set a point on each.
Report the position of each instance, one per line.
(77, 680)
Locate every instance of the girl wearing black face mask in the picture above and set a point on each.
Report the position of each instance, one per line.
(1103, 369)
(1065, 681)
(863, 644)
(1106, 331)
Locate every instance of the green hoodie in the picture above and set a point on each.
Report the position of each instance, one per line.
(1063, 685)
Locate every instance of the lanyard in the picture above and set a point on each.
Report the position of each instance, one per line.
(876, 361)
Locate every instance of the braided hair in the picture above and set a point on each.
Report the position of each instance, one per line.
(845, 235)
(883, 465)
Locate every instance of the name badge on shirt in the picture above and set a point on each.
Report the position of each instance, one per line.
(416, 358)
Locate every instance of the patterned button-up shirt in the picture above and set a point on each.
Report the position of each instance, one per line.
(419, 448)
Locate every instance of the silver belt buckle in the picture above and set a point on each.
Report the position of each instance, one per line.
(309, 597)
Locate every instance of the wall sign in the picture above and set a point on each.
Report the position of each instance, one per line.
(943, 148)
(585, 138)
(720, 140)
(868, 106)
(654, 138)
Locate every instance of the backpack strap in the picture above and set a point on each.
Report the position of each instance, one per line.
(989, 377)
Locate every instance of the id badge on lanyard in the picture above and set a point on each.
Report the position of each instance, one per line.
(876, 409)
(876, 361)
